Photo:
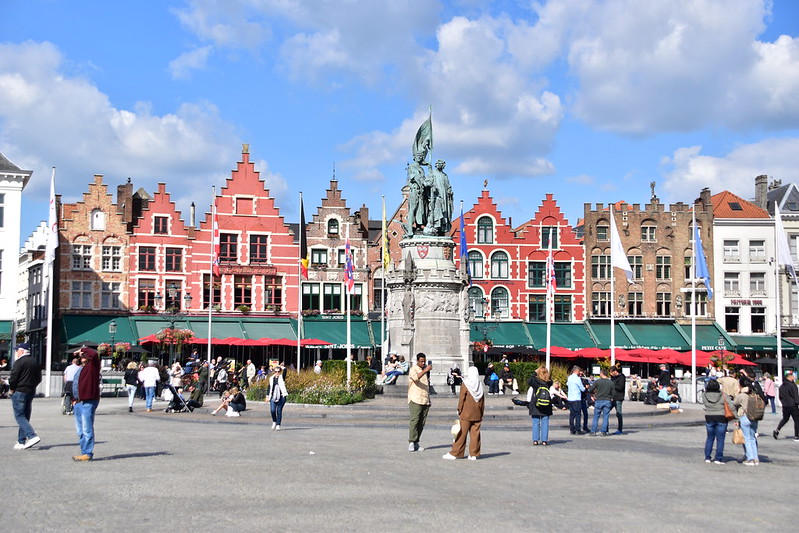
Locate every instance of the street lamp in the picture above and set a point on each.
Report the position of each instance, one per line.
(112, 330)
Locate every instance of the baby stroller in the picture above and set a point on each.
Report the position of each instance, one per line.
(178, 404)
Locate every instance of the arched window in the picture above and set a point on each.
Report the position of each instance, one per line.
(98, 219)
(499, 265)
(476, 264)
(485, 230)
(332, 226)
(476, 301)
(499, 302)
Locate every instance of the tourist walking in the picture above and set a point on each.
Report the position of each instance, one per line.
(715, 420)
(769, 391)
(131, 383)
(619, 388)
(789, 398)
(418, 400)
(471, 405)
(26, 374)
(86, 394)
(277, 396)
(149, 378)
(748, 425)
(602, 389)
(539, 405)
(574, 391)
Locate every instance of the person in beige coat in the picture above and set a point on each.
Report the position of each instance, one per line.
(471, 405)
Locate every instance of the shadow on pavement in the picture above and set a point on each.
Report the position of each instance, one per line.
(129, 456)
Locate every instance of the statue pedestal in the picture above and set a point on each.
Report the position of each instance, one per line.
(428, 306)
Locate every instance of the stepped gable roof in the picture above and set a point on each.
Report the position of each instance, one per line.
(729, 205)
(786, 197)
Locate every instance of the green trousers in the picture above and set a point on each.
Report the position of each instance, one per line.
(418, 418)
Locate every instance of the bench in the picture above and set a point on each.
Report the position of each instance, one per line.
(112, 385)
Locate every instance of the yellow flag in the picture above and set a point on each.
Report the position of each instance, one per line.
(386, 255)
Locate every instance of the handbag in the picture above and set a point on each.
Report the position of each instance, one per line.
(738, 436)
(728, 414)
(456, 428)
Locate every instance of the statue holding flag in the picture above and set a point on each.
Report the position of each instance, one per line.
(429, 195)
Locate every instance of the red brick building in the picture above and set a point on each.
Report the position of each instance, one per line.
(507, 264)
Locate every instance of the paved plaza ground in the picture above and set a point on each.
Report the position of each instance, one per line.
(348, 469)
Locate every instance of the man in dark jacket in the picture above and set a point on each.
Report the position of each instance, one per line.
(619, 387)
(789, 398)
(26, 374)
(86, 392)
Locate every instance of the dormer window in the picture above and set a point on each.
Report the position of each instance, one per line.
(332, 226)
(97, 219)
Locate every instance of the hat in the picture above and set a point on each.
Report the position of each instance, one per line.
(24, 346)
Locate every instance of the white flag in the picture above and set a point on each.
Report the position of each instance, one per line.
(52, 225)
(617, 256)
(783, 250)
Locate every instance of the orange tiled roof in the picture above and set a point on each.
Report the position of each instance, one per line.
(729, 205)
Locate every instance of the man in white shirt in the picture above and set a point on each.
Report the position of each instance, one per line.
(149, 378)
(575, 394)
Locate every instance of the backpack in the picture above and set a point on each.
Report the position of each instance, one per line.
(755, 407)
(542, 397)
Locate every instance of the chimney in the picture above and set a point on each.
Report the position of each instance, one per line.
(704, 197)
(761, 188)
(192, 212)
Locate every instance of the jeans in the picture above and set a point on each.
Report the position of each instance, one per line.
(584, 409)
(131, 394)
(601, 407)
(574, 415)
(773, 406)
(715, 431)
(238, 407)
(276, 410)
(619, 415)
(540, 428)
(749, 428)
(22, 403)
(84, 424)
(149, 394)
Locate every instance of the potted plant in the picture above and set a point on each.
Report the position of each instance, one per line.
(243, 308)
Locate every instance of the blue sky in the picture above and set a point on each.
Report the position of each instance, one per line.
(589, 100)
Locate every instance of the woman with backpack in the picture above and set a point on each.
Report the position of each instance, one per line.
(749, 410)
(540, 405)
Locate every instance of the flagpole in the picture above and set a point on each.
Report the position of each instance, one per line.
(383, 288)
(348, 258)
(613, 295)
(299, 282)
(52, 244)
(212, 240)
(550, 272)
(777, 227)
(695, 307)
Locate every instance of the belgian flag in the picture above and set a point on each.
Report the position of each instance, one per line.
(304, 258)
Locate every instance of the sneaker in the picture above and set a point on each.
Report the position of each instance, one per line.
(617, 432)
(707, 460)
(593, 433)
(411, 447)
(130, 409)
(472, 458)
(274, 424)
(31, 442)
(749, 463)
(19, 446)
(213, 413)
(717, 462)
(604, 434)
(419, 448)
(501, 392)
(83, 457)
(796, 439)
(448, 456)
(277, 427)
(776, 434)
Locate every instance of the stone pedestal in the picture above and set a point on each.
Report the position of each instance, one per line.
(428, 306)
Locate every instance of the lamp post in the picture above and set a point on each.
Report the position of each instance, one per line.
(485, 328)
(721, 350)
(172, 313)
(112, 330)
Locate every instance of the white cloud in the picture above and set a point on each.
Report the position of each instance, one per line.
(688, 171)
(181, 67)
(53, 119)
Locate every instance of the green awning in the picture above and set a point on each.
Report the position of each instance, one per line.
(221, 327)
(707, 336)
(150, 325)
(375, 325)
(761, 344)
(600, 330)
(335, 332)
(565, 335)
(274, 328)
(79, 329)
(655, 336)
(501, 334)
(5, 330)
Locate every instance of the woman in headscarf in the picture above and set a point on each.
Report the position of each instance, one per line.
(471, 405)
